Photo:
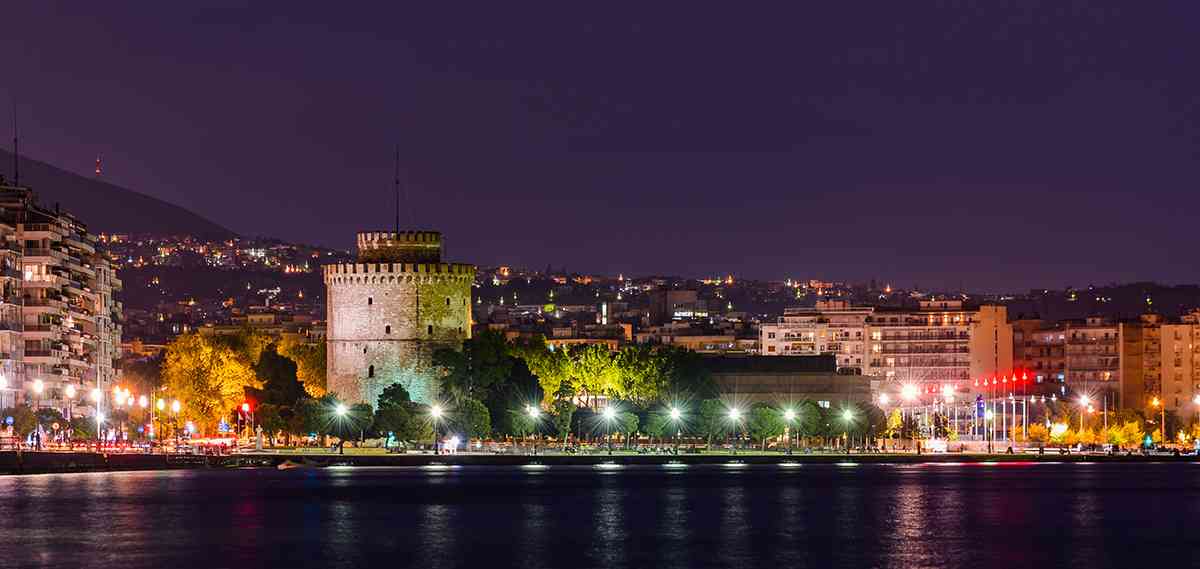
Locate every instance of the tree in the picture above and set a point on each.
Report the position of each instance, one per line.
(711, 419)
(472, 416)
(24, 420)
(48, 416)
(627, 424)
(644, 373)
(209, 376)
(809, 419)
(657, 425)
(687, 375)
(83, 427)
(278, 377)
(352, 425)
(480, 366)
(564, 410)
(765, 422)
(310, 363)
(894, 423)
(596, 371)
(271, 418)
(1039, 433)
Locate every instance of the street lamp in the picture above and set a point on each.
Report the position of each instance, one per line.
(435, 414)
(38, 386)
(1084, 402)
(175, 421)
(534, 414)
(609, 414)
(989, 417)
(735, 416)
(847, 416)
(1162, 423)
(789, 416)
(676, 415)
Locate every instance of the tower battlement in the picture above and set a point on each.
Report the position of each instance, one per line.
(400, 247)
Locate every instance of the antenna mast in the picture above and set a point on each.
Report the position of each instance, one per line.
(16, 148)
(396, 179)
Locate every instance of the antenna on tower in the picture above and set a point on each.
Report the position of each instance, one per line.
(16, 148)
(397, 181)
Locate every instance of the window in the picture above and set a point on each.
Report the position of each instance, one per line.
(770, 348)
(823, 404)
(447, 301)
(430, 329)
(370, 301)
(771, 335)
(387, 329)
(364, 349)
(371, 371)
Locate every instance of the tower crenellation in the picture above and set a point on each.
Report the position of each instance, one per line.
(388, 312)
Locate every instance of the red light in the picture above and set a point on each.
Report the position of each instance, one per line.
(245, 407)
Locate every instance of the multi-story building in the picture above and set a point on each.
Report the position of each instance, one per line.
(58, 300)
(1180, 358)
(941, 344)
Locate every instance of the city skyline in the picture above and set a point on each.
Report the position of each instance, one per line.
(1059, 158)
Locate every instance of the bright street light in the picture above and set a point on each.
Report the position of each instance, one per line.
(735, 414)
(38, 386)
(908, 392)
(340, 410)
(676, 414)
(883, 399)
(1196, 400)
(848, 415)
(789, 415)
(70, 391)
(143, 402)
(609, 413)
(435, 412)
(161, 405)
(533, 411)
(175, 406)
(97, 394)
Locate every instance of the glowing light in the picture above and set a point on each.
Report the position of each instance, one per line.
(1196, 400)
(143, 402)
(245, 407)
(1058, 429)
(38, 386)
(161, 405)
(435, 412)
(1155, 402)
(883, 399)
(609, 413)
(1084, 400)
(99, 417)
(947, 391)
(848, 415)
(340, 409)
(97, 394)
(735, 414)
(175, 406)
(676, 414)
(533, 412)
(988, 415)
(908, 392)
(789, 415)
(70, 392)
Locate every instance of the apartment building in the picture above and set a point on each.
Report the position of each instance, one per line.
(940, 344)
(61, 327)
(1180, 360)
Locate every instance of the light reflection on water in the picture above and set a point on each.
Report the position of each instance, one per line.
(1097, 515)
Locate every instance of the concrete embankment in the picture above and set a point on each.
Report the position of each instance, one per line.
(49, 462)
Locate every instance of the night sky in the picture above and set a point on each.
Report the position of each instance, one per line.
(1000, 148)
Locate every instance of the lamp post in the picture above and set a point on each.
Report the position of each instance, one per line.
(847, 417)
(534, 414)
(789, 417)
(989, 417)
(676, 415)
(160, 405)
(97, 397)
(435, 414)
(175, 421)
(1162, 422)
(735, 417)
(340, 411)
(609, 414)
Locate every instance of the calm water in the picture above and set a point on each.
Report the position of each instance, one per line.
(1052, 516)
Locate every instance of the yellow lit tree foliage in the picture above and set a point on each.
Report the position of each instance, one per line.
(207, 375)
(310, 362)
(1039, 433)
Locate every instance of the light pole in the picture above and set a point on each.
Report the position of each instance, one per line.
(1162, 422)
(789, 417)
(160, 405)
(340, 411)
(175, 421)
(435, 414)
(989, 417)
(735, 417)
(848, 417)
(676, 415)
(609, 414)
(534, 415)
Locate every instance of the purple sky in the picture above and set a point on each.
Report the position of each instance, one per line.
(1004, 149)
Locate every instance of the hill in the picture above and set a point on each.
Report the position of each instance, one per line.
(105, 207)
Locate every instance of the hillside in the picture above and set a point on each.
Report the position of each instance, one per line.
(106, 207)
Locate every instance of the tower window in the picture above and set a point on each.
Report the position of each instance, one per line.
(387, 329)
(430, 328)
(371, 371)
(364, 349)
(370, 301)
(447, 301)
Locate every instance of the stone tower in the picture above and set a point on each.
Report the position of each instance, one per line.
(389, 310)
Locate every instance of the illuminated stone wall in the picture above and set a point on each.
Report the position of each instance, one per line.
(385, 319)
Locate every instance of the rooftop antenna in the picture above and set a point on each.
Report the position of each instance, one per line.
(16, 148)
(396, 179)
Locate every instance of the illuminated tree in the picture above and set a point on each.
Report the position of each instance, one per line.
(564, 410)
(310, 363)
(208, 376)
(765, 422)
(472, 416)
(711, 419)
(1039, 433)
(627, 424)
(657, 425)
